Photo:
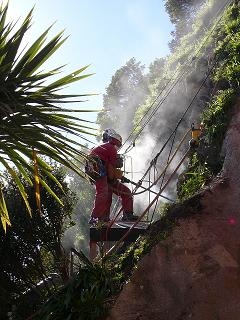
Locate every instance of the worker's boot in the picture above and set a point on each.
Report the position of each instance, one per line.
(129, 216)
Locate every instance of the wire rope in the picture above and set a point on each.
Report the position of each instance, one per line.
(169, 154)
(150, 205)
(167, 165)
(173, 134)
(221, 10)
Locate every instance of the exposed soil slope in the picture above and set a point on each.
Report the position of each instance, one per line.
(195, 273)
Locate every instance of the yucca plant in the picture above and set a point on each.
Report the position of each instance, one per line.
(33, 124)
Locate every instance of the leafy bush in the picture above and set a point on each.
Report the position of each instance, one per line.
(85, 297)
(206, 161)
(194, 179)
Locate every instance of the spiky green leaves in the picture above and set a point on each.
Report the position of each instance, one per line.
(30, 115)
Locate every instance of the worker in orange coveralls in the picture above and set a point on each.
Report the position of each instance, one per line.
(108, 182)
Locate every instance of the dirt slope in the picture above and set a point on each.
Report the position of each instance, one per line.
(195, 273)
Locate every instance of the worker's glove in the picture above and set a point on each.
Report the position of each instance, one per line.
(118, 173)
(125, 180)
(119, 161)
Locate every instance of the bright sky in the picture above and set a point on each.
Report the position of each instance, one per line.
(104, 34)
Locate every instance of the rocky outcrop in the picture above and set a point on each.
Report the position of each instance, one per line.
(194, 274)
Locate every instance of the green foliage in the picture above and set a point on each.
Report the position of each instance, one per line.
(31, 249)
(203, 38)
(228, 49)
(127, 90)
(156, 70)
(85, 297)
(194, 179)
(127, 262)
(182, 14)
(216, 117)
(184, 10)
(206, 162)
(90, 293)
(31, 117)
(164, 209)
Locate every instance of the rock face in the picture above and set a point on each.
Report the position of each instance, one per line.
(195, 273)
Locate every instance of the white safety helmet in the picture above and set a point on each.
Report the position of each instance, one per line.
(107, 133)
(115, 136)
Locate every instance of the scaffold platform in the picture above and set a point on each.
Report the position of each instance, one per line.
(117, 231)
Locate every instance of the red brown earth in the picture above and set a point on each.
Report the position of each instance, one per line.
(194, 273)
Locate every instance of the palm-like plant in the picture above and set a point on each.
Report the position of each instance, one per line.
(31, 120)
